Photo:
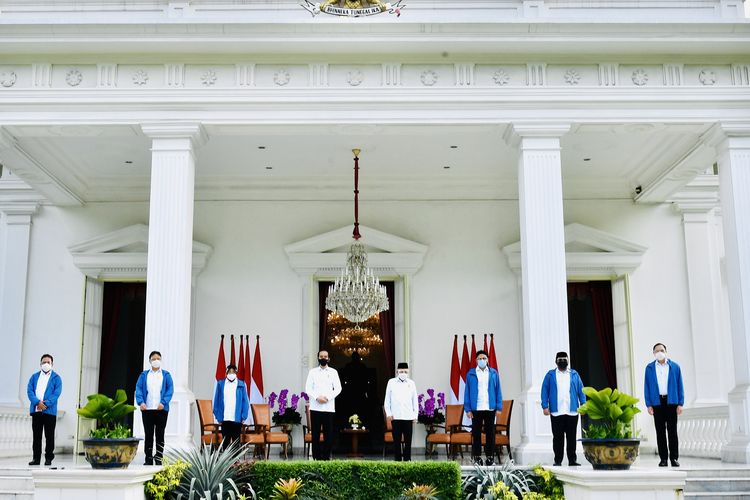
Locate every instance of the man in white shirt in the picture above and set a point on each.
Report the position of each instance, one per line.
(153, 392)
(483, 397)
(401, 406)
(322, 385)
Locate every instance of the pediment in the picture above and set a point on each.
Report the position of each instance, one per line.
(124, 254)
(590, 252)
(325, 254)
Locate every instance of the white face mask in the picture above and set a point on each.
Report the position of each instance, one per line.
(660, 355)
(403, 376)
(46, 367)
(156, 363)
(231, 377)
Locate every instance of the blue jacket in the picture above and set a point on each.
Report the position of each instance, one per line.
(167, 389)
(51, 393)
(472, 387)
(242, 404)
(549, 391)
(675, 389)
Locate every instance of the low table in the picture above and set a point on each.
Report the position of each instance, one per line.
(354, 437)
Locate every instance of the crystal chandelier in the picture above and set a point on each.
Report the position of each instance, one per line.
(357, 294)
(356, 339)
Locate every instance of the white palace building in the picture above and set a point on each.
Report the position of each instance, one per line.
(516, 155)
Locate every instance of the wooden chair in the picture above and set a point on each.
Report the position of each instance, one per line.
(262, 418)
(210, 431)
(307, 431)
(460, 436)
(502, 429)
(252, 435)
(453, 416)
(388, 432)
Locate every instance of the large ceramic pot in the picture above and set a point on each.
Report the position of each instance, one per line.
(110, 453)
(611, 454)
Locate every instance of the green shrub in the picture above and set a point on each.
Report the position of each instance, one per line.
(165, 481)
(360, 480)
(549, 486)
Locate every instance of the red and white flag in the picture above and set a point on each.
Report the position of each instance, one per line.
(231, 354)
(248, 373)
(485, 345)
(473, 358)
(221, 363)
(493, 360)
(465, 365)
(241, 364)
(256, 385)
(455, 373)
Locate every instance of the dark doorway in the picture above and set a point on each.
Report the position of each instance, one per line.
(591, 333)
(363, 375)
(123, 326)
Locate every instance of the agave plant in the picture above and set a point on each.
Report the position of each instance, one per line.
(478, 484)
(420, 492)
(211, 474)
(613, 412)
(108, 414)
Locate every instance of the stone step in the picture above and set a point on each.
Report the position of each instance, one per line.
(16, 483)
(719, 495)
(716, 484)
(715, 473)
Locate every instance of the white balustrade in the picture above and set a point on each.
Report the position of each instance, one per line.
(15, 432)
(703, 431)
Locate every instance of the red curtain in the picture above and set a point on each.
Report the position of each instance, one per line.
(600, 294)
(387, 325)
(322, 312)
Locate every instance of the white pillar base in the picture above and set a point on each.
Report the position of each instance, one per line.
(738, 448)
(536, 436)
(634, 484)
(89, 484)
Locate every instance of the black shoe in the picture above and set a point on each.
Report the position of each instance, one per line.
(478, 461)
(557, 464)
(34, 462)
(48, 463)
(573, 464)
(157, 461)
(663, 463)
(148, 462)
(489, 461)
(675, 463)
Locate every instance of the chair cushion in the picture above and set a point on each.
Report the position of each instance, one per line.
(438, 437)
(276, 437)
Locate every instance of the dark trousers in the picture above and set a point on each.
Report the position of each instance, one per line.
(483, 421)
(230, 431)
(564, 431)
(154, 422)
(665, 421)
(324, 419)
(43, 422)
(402, 430)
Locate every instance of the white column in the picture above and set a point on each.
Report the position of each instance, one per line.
(15, 229)
(169, 274)
(734, 185)
(705, 290)
(543, 277)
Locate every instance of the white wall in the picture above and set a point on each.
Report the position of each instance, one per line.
(464, 287)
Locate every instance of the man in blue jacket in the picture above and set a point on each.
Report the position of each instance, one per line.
(153, 392)
(562, 394)
(44, 389)
(231, 405)
(665, 396)
(483, 396)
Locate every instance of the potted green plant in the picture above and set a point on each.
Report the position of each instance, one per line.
(609, 442)
(355, 421)
(111, 445)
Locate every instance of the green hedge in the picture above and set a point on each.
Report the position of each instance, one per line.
(359, 479)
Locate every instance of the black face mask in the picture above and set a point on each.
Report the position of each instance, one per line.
(323, 362)
(562, 365)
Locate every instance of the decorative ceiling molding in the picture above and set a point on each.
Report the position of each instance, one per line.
(388, 254)
(589, 252)
(124, 254)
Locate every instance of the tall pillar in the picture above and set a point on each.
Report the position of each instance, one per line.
(698, 203)
(169, 272)
(733, 151)
(543, 276)
(15, 229)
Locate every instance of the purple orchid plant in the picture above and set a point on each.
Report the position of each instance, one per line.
(431, 408)
(286, 412)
